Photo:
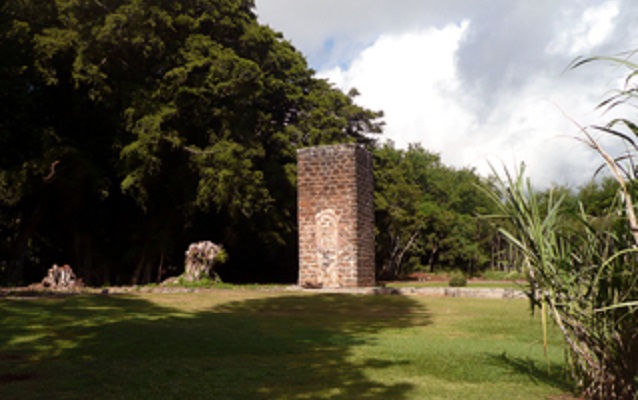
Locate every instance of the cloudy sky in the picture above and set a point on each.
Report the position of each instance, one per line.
(475, 81)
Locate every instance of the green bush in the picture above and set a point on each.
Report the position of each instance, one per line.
(514, 275)
(457, 279)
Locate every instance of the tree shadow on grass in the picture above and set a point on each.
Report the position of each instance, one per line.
(271, 347)
(555, 375)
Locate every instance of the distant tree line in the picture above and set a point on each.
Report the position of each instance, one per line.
(431, 217)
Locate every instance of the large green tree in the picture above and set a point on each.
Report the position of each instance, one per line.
(133, 127)
(428, 214)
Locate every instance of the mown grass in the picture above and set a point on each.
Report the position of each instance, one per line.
(245, 344)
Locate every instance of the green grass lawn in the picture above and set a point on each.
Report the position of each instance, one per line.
(246, 344)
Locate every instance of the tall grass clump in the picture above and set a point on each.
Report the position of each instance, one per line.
(583, 271)
(583, 274)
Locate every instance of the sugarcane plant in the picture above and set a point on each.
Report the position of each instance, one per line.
(583, 270)
(583, 274)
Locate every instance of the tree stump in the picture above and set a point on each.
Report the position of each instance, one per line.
(60, 278)
(200, 259)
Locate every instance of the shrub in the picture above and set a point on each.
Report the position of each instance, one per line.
(457, 279)
(515, 275)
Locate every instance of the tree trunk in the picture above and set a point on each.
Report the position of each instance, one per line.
(200, 258)
(61, 278)
(435, 250)
(16, 274)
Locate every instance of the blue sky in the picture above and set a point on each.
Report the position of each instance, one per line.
(476, 81)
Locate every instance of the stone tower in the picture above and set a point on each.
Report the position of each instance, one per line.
(336, 216)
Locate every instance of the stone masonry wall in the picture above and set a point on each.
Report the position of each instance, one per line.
(336, 216)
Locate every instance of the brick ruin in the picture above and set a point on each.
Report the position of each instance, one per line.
(336, 216)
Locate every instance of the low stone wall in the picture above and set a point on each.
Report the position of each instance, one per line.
(484, 293)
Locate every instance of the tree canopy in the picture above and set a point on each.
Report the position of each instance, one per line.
(134, 127)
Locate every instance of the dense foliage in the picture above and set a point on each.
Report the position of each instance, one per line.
(130, 128)
(428, 215)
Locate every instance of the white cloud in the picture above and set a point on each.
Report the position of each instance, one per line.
(591, 28)
(414, 78)
(471, 81)
(532, 125)
(331, 32)
(411, 77)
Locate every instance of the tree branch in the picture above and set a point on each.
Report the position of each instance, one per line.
(49, 177)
